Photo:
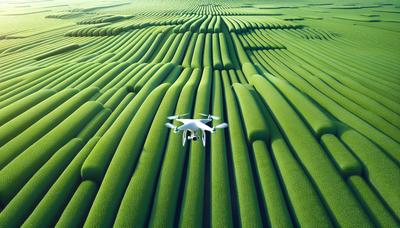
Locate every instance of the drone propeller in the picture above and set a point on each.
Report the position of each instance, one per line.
(170, 125)
(219, 126)
(177, 116)
(209, 116)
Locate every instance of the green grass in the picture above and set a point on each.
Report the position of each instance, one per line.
(310, 92)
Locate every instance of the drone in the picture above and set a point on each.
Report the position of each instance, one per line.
(192, 127)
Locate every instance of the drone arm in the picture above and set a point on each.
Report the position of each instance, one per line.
(173, 127)
(219, 126)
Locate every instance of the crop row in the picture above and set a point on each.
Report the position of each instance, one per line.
(239, 24)
(111, 29)
(201, 24)
(65, 15)
(311, 34)
(102, 19)
(259, 39)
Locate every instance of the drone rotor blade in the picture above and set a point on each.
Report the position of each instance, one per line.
(172, 117)
(209, 116)
(177, 116)
(223, 125)
(170, 125)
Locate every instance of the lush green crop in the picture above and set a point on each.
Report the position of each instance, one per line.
(133, 210)
(245, 188)
(167, 192)
(310, 92)
(120, 169)
(254, 121)
(333, 189)
(220, 193)
(57, 51)
(60, 192)
(342, 157)
(82, 198)
(193, 196)
(17, 210)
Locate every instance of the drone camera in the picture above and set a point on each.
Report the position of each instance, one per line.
(193, 137)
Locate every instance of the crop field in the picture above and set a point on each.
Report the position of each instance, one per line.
(310, 91)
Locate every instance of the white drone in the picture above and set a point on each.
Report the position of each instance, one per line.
(193, 126)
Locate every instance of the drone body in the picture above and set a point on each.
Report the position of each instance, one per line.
(192, 127)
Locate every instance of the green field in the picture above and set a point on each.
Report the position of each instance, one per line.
(310, 90)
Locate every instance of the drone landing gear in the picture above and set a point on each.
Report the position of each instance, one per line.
(203, 137)
(189, 135)
(184, 137)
